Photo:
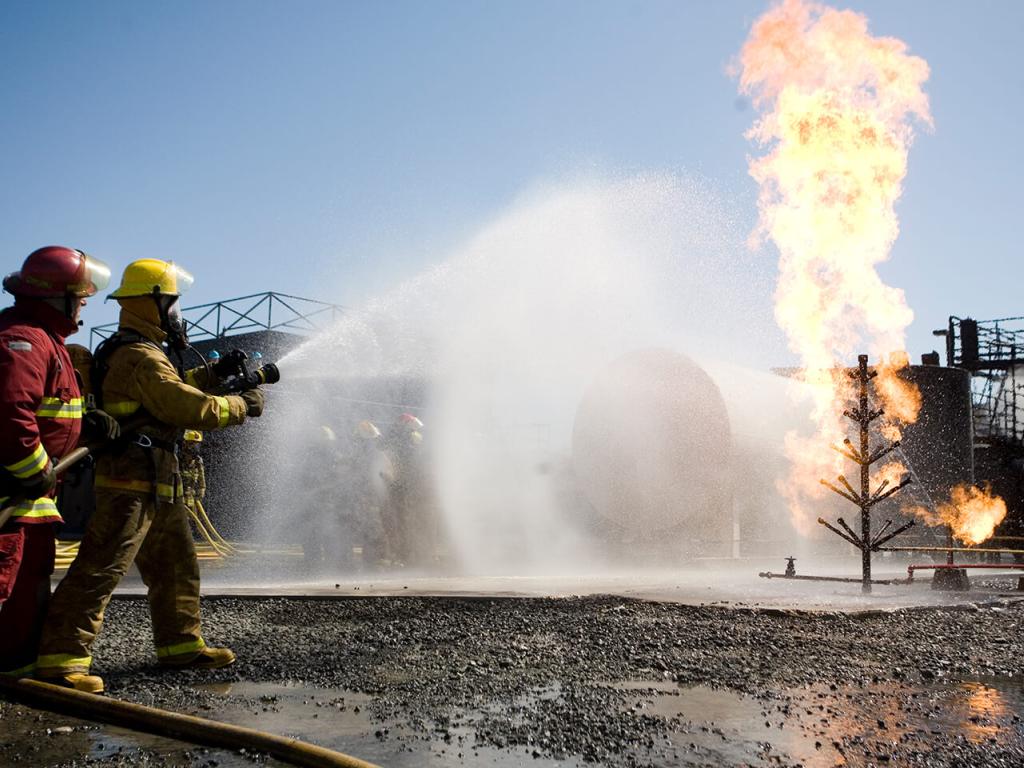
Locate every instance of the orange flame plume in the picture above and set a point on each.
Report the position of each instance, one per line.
(836, 111)
(973, 513)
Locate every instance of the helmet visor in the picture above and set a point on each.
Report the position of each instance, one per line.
(179, 278)
(95, 277)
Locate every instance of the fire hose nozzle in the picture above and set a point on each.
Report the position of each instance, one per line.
(244, 379)
(268, 374)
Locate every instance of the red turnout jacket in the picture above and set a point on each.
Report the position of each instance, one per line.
(40, 401)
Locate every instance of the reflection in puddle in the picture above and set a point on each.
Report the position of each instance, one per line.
(824, 726)
(815, 726)
(986, 706)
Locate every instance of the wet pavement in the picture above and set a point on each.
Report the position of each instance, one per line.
(597, 681)
(725, 582)
(695, 725)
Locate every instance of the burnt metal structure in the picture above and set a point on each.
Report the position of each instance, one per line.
(863, 415)
(270, 311)
(993, 352)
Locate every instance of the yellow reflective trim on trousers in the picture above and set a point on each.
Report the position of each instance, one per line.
(55, 408)
(34, 462)
(191, 646)
(122, 408)
(224, 412)
(163, 490)
(36, 508)
(25, 671)
(62, 661)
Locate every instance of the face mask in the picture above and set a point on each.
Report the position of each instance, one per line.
(175, 326)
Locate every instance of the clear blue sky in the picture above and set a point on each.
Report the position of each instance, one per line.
(265, 145)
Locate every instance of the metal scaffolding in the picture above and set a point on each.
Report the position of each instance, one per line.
(257, 312)
(993, 351)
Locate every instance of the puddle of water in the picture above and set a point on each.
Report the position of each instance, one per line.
(714, 726)
(342, 720)
(816, 727)
(820, 727)
(107, 742)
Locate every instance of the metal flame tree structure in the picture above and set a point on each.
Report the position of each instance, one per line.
(864, 456)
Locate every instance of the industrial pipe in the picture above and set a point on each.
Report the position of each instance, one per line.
(957, 566)
(858, 580)
(951, 549)
(175, 725)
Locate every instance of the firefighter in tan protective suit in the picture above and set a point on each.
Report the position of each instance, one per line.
(140, 515)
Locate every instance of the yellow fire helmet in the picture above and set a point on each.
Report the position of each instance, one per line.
(193, 436)
(149, 277)
(367, 430)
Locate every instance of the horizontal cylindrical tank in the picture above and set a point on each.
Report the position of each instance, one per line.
(651, 446)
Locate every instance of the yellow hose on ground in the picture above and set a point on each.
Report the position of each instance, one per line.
(203, 532)
(200, 510)
(175, 725)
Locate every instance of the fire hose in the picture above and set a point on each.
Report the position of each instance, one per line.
(175, 725)
(62, 466)
(204, 528)
(211, 534)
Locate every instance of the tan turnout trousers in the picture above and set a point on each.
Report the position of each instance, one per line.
(126, 527)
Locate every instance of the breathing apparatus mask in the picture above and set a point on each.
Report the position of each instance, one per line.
(172, 323)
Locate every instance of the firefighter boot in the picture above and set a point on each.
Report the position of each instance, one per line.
(78, 681)
(207, 658)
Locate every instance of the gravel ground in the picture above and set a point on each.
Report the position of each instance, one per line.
(600, 680)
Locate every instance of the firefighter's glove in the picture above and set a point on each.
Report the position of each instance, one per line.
(230, 364)
(253, 402)
(99, 427)
(39, 485)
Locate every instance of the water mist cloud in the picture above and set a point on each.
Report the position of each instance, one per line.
(510, 329)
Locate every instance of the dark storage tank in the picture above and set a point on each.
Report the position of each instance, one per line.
(938, 449)
(940, 445)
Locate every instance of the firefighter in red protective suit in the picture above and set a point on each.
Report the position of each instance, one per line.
(42, 418)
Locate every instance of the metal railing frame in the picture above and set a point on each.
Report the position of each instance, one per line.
(996, 392)
(218, 319)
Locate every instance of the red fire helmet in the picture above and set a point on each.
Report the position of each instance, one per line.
(410, 422)
(56, 271)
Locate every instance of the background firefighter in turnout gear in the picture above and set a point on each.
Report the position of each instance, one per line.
(140, 515)
(193, 472)
(41, 419)
(410, 530)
